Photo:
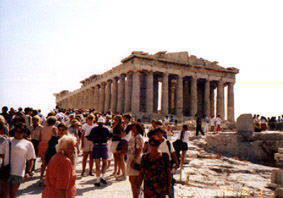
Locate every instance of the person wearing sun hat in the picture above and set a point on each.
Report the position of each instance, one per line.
(99, 135)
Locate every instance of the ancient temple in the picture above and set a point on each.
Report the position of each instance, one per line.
(154, 85)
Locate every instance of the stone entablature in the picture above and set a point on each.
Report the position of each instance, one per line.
(133, 85)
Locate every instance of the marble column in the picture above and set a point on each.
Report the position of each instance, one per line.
(164, 99)
(135, 108)
(206, 98)
(96, 97)
(186, 98)
(231, 102)
(107, 96)
(128, 92)
(211, 99)
(220, 99)
(155, 93)
(194, 104)
(121, 94)
(149, 92)
(114, 95)
(102, 97)
(180, 97)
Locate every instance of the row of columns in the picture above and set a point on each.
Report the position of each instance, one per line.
(137, 92)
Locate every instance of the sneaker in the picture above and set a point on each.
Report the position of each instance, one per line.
(97, 184)
(103, 181)
(90, 174)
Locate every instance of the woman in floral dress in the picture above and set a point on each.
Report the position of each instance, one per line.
(155, 172)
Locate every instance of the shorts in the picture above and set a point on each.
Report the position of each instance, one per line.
(88, 146)
(100, 151)
(122, 146)
(13, 179)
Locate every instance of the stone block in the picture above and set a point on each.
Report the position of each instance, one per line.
(245, 123)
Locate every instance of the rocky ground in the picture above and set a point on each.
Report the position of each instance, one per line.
(204, 175)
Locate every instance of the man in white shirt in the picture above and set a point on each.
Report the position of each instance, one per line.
(87, 145)
(21, 152)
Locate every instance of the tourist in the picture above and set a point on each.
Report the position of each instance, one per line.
(75, 129)
(263, 123)
(5, 114)
(99, 136)
(4, 125)
(198, 125)
(51, 150)
(134, 158)
(218, 123)
(35, 130)
(155, 172)
(206, 123)
(87, 145)
(60, 174)
(17, 152)
(181, 145)
(46, 133)
(172, 120)
(167, 147)
(118, 147)
(28, 117)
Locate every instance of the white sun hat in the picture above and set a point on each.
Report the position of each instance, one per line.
(101, 120)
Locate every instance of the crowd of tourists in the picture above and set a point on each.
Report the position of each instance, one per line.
(262, 123)
(143, 153)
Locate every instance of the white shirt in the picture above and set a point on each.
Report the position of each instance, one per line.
(218, 121)
(163, 148)
(186, 136)
(87, 129)
(128, 136)
(22, 151)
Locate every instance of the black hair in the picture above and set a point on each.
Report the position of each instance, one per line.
(128, 117)
(138, 128)
(51, 120)
(185, 127)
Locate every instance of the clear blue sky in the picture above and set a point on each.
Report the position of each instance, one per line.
(50, 45)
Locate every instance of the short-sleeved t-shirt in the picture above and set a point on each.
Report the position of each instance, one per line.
(22, 150)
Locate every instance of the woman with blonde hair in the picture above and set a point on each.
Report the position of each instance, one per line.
(60, 173)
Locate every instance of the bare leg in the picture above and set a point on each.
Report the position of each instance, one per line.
(13, 190)
(115, 164)
(4, 190)
(135, 188)
(104, 166)
(90, 163)
(85, 155)
(97, 168)
(108, 164)
(122, 164)
(43, 166)
(183, 158)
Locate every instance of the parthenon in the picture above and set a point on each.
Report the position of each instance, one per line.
(154, 85)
